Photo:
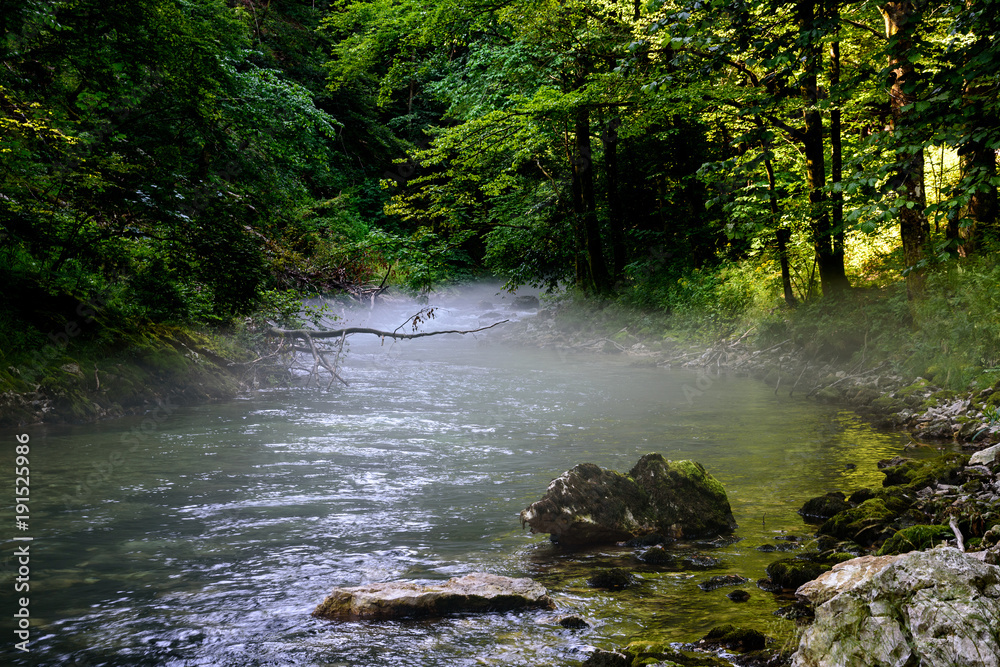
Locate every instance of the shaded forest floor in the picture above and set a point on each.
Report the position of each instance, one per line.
(76, 379)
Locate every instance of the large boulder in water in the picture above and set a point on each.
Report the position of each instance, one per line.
(476, 592)
(939, 607)
(590, 505)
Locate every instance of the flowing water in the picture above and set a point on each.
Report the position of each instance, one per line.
(206, 535)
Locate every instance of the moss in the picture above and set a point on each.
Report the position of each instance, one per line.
(921, 385)
(662, 653)
(864, 523)
(793, 572)
(824, 507)
(684, 499)
(736, 638)
(914, 538)
(916, 475)
(887, 404)
(839, 557)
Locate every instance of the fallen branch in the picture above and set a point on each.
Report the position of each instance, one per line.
(318, 353)
(953, 523)
(336, 333)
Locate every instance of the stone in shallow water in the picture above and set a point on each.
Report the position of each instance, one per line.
(590, 505)
(722, 580)
(614, 579)
(573, 623)
(473, 593)
(656, 556)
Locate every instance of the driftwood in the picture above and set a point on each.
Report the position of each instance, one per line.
(318, 348)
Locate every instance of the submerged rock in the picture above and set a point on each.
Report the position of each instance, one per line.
(614, 579)
(573, 623)
(664, 653)
(939, 607)
(656, 556)
(793, 572)
(735, 638)
(477, 592)
(602, 658)
(722, 580)
(739, 595)
(701, 562)
(591, 505)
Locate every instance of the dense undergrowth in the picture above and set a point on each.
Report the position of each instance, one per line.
(951, 337)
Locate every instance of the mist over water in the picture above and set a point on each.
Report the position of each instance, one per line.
(212, 540)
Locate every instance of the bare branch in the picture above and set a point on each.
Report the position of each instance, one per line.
(335, 333)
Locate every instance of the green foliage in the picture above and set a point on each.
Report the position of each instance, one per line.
(286, 309)
(715, 300)
(959, 325)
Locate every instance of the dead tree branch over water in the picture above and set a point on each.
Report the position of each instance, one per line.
(314, 340)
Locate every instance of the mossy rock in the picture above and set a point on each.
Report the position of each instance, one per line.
(614, 579)
(914, 538)
(736, 638)
(685, 500)
(662, 653)
(887, 405)
(916, 475)
(824, 507)
(921, 386)
(862, 524)
(793, 572)
(590, 505)
(865, 396)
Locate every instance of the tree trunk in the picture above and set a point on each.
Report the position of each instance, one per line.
(979, 162)
(782, 234)
(837, 268)
(979, 168)
(914, 229)
(585, 204)
(812, 138)
(616, 220)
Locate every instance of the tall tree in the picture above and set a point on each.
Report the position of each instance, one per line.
(901, 21)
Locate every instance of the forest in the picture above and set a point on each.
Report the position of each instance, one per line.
(724, 163)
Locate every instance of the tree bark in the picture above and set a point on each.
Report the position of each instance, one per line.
(979, 168)
(914, 229)
(782, 234)
(616, 220)
(837, 267)
(585, 204)
(831, 279)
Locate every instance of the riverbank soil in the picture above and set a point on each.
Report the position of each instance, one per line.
(75, 380)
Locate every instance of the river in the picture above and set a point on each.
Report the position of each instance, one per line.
(206, 535)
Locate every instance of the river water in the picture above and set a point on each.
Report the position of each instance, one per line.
(206, 535)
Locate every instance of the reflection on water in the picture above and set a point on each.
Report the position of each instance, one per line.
(211, 540)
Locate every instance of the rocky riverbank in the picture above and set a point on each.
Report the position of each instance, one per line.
(951, 501)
